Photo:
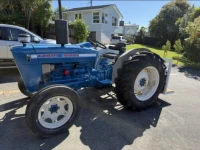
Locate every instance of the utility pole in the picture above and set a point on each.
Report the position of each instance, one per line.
(60, 9)
(91, 3)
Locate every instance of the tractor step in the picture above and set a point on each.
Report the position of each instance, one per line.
(168, 91)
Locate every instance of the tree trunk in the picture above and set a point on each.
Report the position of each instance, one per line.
(41, 32)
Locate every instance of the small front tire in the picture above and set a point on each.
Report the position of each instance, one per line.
(52, 111)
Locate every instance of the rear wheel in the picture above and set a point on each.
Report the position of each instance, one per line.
(52, 110)
(23, 89)
(140, 81)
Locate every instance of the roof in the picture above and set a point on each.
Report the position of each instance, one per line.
(87, 8)
(95, 7)
(130, 24)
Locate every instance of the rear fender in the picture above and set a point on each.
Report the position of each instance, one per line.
(124, 57)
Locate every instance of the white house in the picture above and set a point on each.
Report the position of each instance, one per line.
(130, 29)
(103, 21)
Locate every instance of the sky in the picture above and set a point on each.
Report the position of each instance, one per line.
(139, 12)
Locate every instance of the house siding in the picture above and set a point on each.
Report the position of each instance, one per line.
(103, 31)
(108, 29)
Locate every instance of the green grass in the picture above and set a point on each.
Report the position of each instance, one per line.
(159, 51)
(170, 54)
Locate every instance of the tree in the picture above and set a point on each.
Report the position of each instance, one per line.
(80, 30)
(62, 9)
(166, 47)
(195, 13)
(43, 15)
(184, 22)
(142, 31)
(28, 7)
(178, 47)
(192, 48)
(165, 26)
(31, 14)
(10, 12)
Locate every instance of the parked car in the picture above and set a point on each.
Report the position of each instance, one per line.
(117, 39)
(9, 37)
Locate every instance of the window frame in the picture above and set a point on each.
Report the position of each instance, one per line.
(105, 16)
(115, 24)
(96, 19)
(79, 15)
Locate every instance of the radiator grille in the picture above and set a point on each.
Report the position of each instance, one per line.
(46, 72)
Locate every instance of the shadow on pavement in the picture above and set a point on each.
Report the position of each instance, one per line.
(9, 75)
(14, 133)
(191, 73)
(107, 125)
(104, 123)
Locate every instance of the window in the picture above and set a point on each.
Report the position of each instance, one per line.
(78, 16)
(114, 21)
(104, 18)
(12, 34)
(96, 17)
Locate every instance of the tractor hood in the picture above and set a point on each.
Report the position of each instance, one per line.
(30, 58)
(54, 53)
(48, 41)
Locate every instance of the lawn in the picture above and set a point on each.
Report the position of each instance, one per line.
(170, 54)
(158, 51)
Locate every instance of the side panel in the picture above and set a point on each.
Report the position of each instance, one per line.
(29, 70)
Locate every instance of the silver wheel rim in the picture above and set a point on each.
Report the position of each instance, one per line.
(55, 112)
(146, 83)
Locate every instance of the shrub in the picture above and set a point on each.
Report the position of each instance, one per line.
(178, 47)
(192, 43)
(80, 30)
(192, 52)
(166, 47)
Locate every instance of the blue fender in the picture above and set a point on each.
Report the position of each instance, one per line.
(124, 57)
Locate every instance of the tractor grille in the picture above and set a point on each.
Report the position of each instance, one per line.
(46, 72)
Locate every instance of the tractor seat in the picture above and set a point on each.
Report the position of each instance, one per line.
(110, 55)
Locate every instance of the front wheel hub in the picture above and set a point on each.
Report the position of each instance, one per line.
(54, 108)
(55, 112)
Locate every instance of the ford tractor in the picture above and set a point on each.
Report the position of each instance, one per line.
(52, 74)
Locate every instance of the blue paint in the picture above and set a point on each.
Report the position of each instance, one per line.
(78, 60)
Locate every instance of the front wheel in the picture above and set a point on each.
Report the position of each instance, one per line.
(140, 81)
(52, 111)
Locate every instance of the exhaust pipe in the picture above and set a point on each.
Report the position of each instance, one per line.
(61, 28)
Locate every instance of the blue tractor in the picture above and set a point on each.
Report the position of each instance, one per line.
(52, 74)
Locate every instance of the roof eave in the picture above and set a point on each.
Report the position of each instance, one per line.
(117, 10)
(69, 11)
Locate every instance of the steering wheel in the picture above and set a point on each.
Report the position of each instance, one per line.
(97, 44)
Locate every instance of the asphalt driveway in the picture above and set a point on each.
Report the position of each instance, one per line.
(171, 123)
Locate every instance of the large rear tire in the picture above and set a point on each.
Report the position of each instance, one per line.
(23, 89)
(52, 111)
(140, 81)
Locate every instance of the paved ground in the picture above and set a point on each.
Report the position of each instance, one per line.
(172, 123)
